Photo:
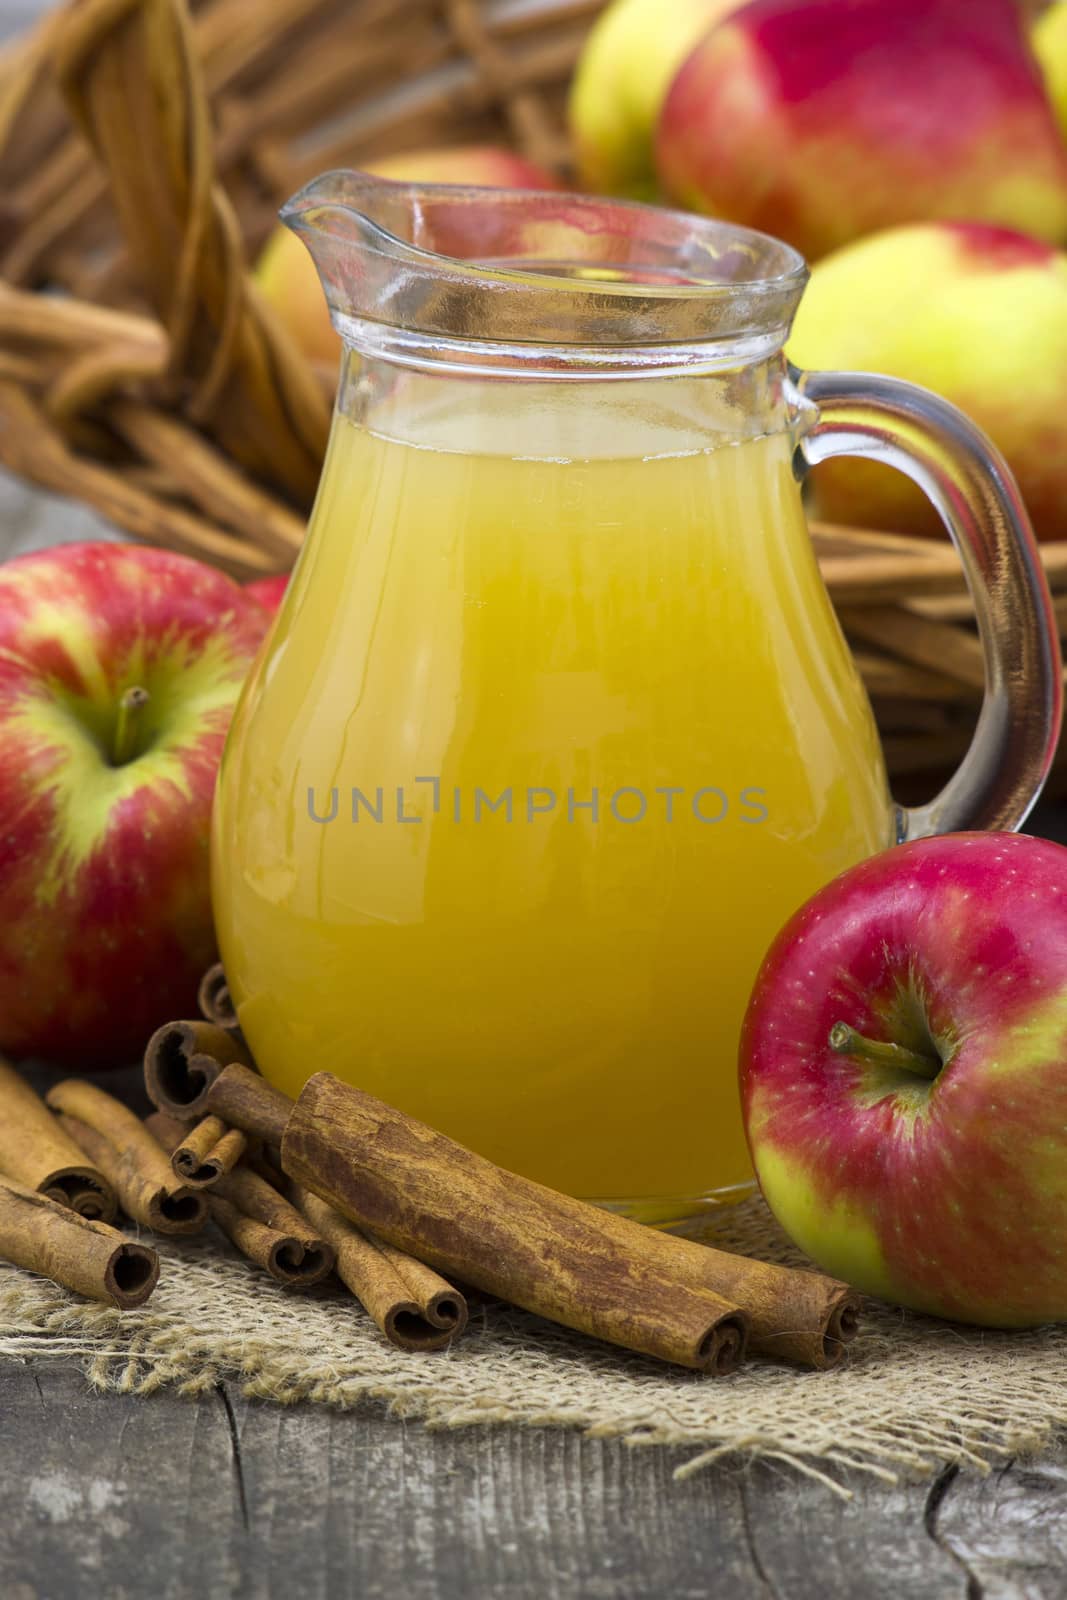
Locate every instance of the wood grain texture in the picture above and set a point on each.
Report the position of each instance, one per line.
(169, 1497)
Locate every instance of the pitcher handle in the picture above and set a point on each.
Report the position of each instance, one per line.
(971, 487)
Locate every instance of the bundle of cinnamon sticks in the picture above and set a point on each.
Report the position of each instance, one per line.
(57, 1206)
(69, 1163)
(336, 1183)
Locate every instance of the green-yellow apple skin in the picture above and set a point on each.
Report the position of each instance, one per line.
(286, 273)
(1049, 38)
(977, 314)
(631, 55)
(823, 121)
(105, 909)
(939, 1184)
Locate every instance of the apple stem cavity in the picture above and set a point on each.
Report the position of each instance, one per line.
(845, 1041)
(126, 740)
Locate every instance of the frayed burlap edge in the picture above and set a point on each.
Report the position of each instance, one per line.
(913, 1396)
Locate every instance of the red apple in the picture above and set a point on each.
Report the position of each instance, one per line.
(904, 1077)
(269, 591)
(119, 669)
(489, 166)
(286, 273)
(821, 120)
(979, 315)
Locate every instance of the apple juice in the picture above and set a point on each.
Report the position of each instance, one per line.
(548, 741)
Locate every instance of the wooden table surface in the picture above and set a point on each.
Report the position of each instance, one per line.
(108, 1497)
(118, 1498)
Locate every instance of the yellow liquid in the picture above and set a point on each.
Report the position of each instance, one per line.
(562, 990)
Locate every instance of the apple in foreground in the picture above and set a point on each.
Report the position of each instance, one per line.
(904, 1078)
(979, 315)
(270, 592)
(286, 273)
(119, 670)
(825, 120)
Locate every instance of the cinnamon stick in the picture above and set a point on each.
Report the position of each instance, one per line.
(117, 1142)
(257, 1219)
(235, 1093)
(37, 1154)
(183, 1059)
(493, 1230)
(562, 1258)
(208, 1151)
(215, 1000)
(414, 1307)
(80, 1253)
(303, 1255)
(283, 1256)
(554, 1255)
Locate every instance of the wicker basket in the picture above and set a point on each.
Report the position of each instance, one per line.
(143, 155)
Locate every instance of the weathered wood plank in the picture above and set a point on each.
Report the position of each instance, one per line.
(167, 1497)
(1007, 1532)
(804, 1541)
(104, 1497)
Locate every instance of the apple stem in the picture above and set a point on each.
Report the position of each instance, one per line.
(845, 1041)
(128, 725)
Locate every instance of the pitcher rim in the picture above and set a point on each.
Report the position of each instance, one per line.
(622, 282)
(796, 272)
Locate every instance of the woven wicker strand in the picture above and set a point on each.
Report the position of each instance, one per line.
(131, 76)
(144, 150)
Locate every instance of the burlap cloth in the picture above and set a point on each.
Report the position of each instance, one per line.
(913, 1395)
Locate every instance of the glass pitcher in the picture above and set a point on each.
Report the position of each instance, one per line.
(556, 725)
